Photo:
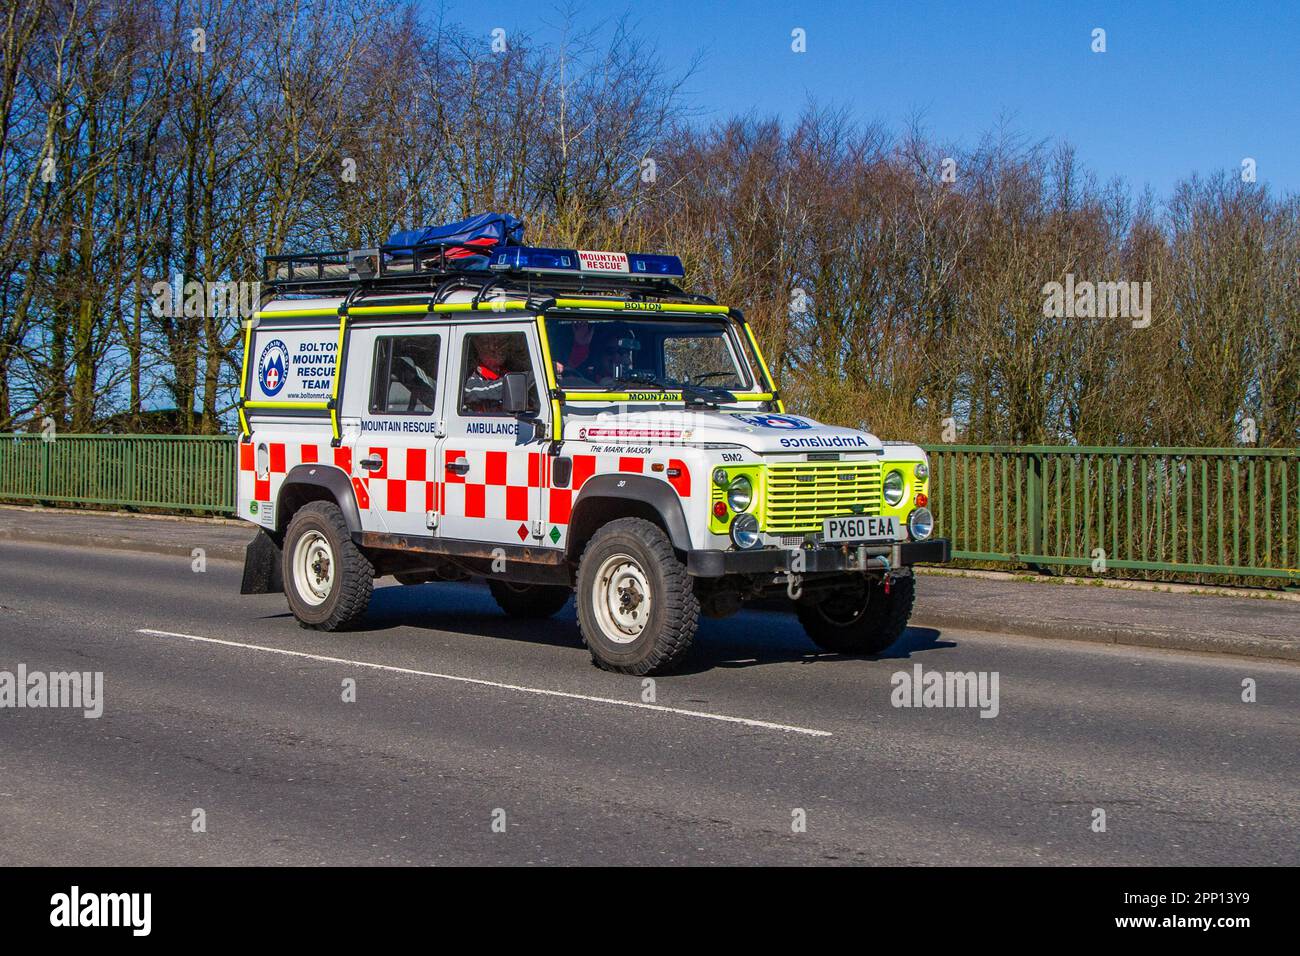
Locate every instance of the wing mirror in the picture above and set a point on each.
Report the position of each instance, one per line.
(515, 393)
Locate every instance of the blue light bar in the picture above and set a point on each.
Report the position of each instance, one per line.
(634, 265)
(535, 259)
(669, 267)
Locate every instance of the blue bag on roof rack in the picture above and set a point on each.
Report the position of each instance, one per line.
(473, 237)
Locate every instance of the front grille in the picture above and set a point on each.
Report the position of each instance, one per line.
(800, 496)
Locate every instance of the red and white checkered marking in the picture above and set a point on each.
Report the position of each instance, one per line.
(281, 458)
(404, 482)
(499, 484)
(560, 500)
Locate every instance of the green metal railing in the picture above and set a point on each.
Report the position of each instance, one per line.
(1150, 511)
(1155, 512)
(180, 473)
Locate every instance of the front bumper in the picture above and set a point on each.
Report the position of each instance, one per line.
(826, 559)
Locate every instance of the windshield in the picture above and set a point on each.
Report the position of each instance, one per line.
(617, 354)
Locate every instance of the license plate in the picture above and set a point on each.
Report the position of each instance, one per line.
(859, 528)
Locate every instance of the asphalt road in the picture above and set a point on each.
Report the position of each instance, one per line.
(463, 716)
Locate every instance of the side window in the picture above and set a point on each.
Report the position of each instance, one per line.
(489, 357)
(404, 380)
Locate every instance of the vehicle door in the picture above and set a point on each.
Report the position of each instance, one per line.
(394, 390)
(491, 464)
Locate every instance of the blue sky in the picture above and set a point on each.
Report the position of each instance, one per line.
(1182, 87)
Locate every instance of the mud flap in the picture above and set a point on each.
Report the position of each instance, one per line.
(262, 566)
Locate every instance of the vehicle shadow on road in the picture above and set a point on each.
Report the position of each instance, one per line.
(748, 639)
(464, 609)
(754, 638)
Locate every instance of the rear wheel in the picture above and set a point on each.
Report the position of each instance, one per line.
(529, 600)
(326, 577)
(859, 619)
(413, 577)
(637, 608)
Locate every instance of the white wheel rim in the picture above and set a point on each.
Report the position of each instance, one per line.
(313, 568)
(620, 596)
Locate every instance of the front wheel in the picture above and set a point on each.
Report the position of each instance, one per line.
(637, 608)
(860, 618)
(326, 577)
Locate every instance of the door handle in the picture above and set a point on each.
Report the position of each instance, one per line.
(459, 467)
(371, 464)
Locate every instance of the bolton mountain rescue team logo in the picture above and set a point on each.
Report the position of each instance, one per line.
(273, 367)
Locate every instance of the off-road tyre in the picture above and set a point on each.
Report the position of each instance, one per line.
(859, 620)
(626, 558)
(318, 531)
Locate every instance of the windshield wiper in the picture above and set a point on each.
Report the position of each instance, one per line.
(649, 382)
(709, 395)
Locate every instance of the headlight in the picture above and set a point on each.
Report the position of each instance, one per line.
(740, 494)
(922, 471)
(744, 531)
(893, 487)
(920, 523)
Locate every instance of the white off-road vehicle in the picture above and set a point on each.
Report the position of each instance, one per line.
(557, 420)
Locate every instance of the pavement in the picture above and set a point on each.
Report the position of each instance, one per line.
(442, 732)
(1265, 626)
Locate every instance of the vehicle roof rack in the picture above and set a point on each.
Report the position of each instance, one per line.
(344, 267)
(440, 268)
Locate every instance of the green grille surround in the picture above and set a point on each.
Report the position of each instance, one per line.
(799, 496)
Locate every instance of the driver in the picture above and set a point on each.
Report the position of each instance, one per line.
(613, 358)
(484, 389)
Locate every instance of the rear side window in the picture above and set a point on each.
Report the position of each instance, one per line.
(405, 376)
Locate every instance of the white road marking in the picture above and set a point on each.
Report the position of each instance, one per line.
(542, 691)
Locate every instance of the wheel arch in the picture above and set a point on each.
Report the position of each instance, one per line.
(308, 482)
(605, 498)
